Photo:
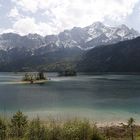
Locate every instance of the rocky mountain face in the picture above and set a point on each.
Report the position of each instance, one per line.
(120, 57)
(84, 38)
(54, 52)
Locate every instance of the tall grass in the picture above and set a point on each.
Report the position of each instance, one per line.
(20, 128)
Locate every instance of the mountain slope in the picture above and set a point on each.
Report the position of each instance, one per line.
(120, 57)
(91, 36)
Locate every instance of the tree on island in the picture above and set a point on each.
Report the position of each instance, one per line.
(41, 76)
(28, 77)
(34, 77)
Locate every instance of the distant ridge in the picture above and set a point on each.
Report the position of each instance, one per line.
(120, 57)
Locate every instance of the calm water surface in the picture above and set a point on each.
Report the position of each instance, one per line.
(106, 97)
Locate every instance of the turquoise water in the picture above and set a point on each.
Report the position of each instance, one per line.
(104, 98)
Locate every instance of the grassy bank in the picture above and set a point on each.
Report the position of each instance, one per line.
(19, 127)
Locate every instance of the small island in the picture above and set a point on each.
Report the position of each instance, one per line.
(68, 72)
(34, 78)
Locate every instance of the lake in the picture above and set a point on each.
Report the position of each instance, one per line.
(99, 97)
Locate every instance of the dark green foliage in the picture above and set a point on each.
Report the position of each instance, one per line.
(18, 125)
(36, 131)
(3, 129)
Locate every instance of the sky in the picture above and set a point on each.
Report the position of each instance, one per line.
(47, 17)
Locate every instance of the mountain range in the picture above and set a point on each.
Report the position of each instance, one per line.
(89, 37)
(56, 52)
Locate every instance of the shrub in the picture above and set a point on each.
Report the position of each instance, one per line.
(76, 130)
(36, 131)
(3, 129)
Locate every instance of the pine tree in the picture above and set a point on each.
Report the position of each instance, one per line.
(18, 125)
(130, 123)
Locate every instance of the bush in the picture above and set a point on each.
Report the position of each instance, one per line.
(76, 130)
(36, 131)
(3, 129)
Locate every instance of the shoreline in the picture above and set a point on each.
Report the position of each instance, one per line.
(28, 82)
(34, 82)
(61, 120)
(57, 116)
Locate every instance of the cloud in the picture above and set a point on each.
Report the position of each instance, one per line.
(69, 13)
(27, 5)
(9, 30)
(65, 14)
(25, 25)
(14, 13)
(28, 25)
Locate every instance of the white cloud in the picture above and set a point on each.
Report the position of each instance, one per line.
(69, 13)
(14, 13)
(27, 5)
(65, 14)
(28, 25)
(1, 30)
(25, 25)
(7, 31)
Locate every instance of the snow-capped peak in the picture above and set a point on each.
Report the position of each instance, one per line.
(85, 38)
(111, 34)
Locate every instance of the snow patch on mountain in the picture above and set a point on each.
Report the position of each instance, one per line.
(83, 38)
